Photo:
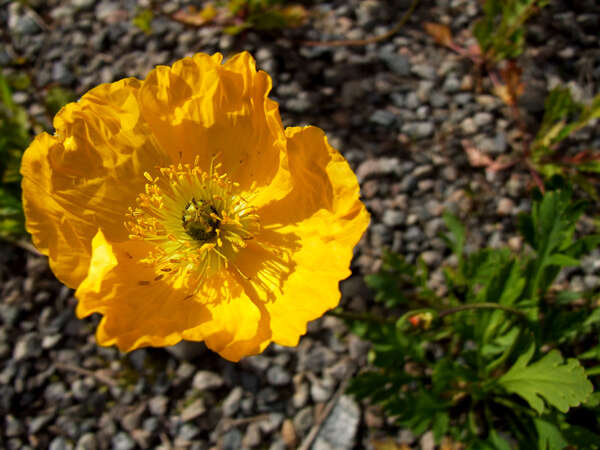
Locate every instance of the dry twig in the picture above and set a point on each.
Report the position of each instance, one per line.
(90, 373)
(372, 39)
(306, 444)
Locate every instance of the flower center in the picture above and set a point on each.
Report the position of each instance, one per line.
(197, 222)
(200, 220)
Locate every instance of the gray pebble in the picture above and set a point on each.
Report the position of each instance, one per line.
(105, 9)
(299, 104)
(83, 4)
(414, 234)
(56, 393)
(252, 437)
(20, 20)
(28, 346)
(87, 442)
(37, 423)
(468, 126)
(272, 423)
(150, 424)
(12, 426)
(278, 444)
(122, 441)
(278, 376)
(300, 396)
(450, 173)
(411, 101)
(51, 340)
(340, 427)
(381, 166)
(418, 130)
(397, 63)
(393, 218)
(406, 437)
(423, 112)
(259, 363)
(451, 85)
(431, 258)
(158, 405)
(463, 98)
(427, 441)
(232, 440)
(80, 390)
(591, 281)
(231, 404)
(321, 390)
(424, 71)
(303, 420)
(266, 396)
(383, 117)
(505, 206)
(424, 90)
(205, 380)
(438, 99)
(60, 443)
(188, 432)
(193, 410)
(482, 119)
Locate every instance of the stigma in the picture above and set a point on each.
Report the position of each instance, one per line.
(196, 222)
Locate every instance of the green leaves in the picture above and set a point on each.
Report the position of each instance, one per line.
(550, 436)
(14, 138)
(56, 98)
(549, 231)
(478, 369)
(563, 116)
(237, 16)
(560, 384)
(143, 20)
(501, 31)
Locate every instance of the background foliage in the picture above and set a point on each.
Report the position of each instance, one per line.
(506, 355)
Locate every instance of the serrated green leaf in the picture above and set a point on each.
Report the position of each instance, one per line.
(592, 353)
(561, 260)
(500, 32)
(593, 401)
(564, 297)
(550, 379)
(498, 442)
(592, 371)
(441, 423)
(457, 230)
(581, 438)
(549, 435)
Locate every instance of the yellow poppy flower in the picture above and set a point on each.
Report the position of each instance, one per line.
(179, 207)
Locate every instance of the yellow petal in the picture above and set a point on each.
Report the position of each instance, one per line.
(57, 232)
(302, 213)
(319, 223)
(238, 328)
(138, 309)
(86, 176)
(200, 108)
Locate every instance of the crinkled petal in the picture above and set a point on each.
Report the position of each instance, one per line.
(140, 310)
(59, 233)
(201, 108)
(86, 176)
(321, 220)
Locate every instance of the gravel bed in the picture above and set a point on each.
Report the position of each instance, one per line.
(399, 110)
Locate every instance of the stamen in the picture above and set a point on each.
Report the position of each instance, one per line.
(197, 221)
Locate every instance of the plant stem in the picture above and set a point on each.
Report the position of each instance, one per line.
(372, 39)
(350, 315)
(367, 317)
(460, 308)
